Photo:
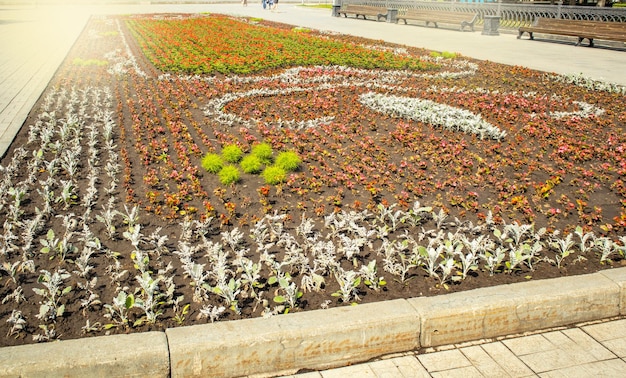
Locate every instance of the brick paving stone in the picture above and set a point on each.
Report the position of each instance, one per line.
(580, 342)
(385, 369)
(607, 330)
(361, 371)
(410, 367)
(507, 360)
(566, 352)
(521, 346)
(577, 343)
(611, 334)
(617, 346)
(446, 360)
(614, 368)
(482, 361)
(463, 372)
(313, 374)
(549, 360)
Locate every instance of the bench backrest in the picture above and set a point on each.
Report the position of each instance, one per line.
(435, 15)
(580, 25)
(353, 7)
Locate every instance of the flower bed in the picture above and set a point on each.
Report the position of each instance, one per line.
(172, 175)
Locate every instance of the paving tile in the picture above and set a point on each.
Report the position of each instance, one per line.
(446, 360)
(610, 334)
(385, 369)
(313, 374)
(579, 345)
(572, 347)
(482, 361)
(549, 360)
(617, 346)
(614, 368)
(362, 370)
(463, 372)
(507, 360)
(410, 367)
(521, 346)
(607, 331)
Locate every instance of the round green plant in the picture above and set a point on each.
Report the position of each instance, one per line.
(212, 163)
(232, 153)
(264, 152)
(274, 175)
(229, 175)
(288, 160)
(251, 164)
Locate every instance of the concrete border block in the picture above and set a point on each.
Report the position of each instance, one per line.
(515, 308)
(318, 340)
(618, 275)
(134, 355)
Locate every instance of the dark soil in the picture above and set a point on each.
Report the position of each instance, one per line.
(160, 119)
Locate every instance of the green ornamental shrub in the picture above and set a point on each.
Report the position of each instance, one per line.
(229, 175)
(212, 163)
(232, 153)
(251, 164)
(448, 55)
(274, 175)
(288, 160)
(264, 152)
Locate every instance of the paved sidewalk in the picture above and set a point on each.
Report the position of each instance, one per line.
(590, 350)
(33, 43)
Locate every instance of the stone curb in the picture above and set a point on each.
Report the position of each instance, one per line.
(134, 355)
(324, 339)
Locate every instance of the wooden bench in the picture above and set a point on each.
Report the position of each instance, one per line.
(444, 17)
(362, 10)
(590, 30)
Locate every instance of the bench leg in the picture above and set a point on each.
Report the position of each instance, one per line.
(581, 39)
(465, 24)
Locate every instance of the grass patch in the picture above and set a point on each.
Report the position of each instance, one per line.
(322, 6)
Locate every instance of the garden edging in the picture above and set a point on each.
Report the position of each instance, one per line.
(323, 339)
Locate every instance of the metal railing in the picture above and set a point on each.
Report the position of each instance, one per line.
(511, 15)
